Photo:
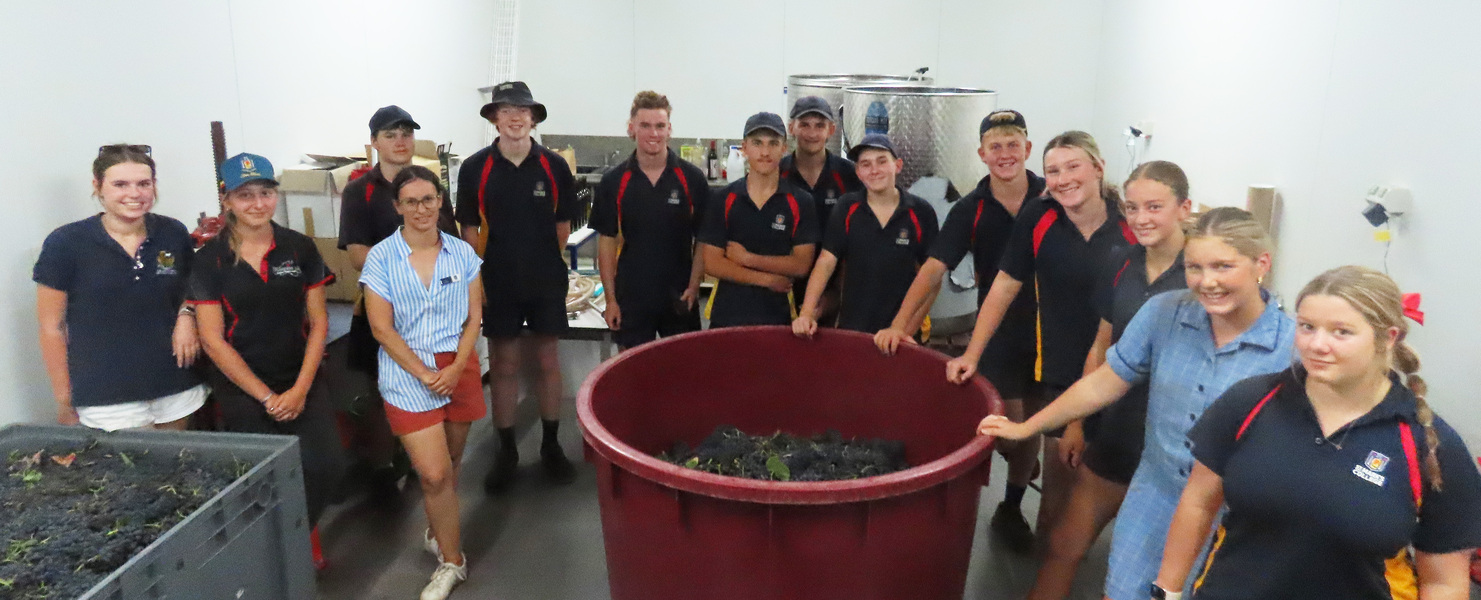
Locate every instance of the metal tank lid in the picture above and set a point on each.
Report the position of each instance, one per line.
(844, 80)
(918, 90)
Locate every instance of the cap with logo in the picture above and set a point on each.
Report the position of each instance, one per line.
(389, 116)
(812, 105)
(765, 120)
(245, 168)
(514, 93)
(989, 122)
(878, 141)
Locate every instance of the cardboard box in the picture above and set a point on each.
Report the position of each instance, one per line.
(346, 286)
(311, 198)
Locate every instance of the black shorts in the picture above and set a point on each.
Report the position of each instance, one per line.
(1008, 364)
(505, 318)
(364, 350)
(1113, 443)
(641, 324)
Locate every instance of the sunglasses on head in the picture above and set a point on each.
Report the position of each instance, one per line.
(143, 148)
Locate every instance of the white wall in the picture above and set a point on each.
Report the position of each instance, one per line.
(721, 62)
(286, 77)
(1322, 99)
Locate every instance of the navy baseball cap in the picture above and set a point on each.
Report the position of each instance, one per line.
(765, 120)
(245, 168)
(989, 122)
(812, 105)
(388, 116)
(873, 140)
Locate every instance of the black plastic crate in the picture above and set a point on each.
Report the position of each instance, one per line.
(251, 541)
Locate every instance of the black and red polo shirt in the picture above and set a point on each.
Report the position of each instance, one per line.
(1047, 252)
(1328, 516)
(879, 260)
(658, 222)
(367, 211)
(520, 207)
(785, 220)
(263, 307)
(838, 177)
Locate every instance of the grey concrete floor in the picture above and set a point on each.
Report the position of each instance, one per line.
(544, 542)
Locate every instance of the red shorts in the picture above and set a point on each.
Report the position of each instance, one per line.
(467, 403)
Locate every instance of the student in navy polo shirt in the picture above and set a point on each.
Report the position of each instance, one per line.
(823, 174)
(368, 215)
(1104, 448)
(647, 211)
(516, 202)
(117, 341)
(981, 223)
(258, 290)
(881, 236)
(424, 298)
(1386, 502)
(1056, 246)
(760, 235)
(1190, 347)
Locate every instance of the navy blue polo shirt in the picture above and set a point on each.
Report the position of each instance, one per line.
(367, 211)
(523, 204)
(785, 220)
(879, 260)
(658, 222)
(263, 308)
(121, 309)
(1047, 251)
(838, 177)
(1314, 516)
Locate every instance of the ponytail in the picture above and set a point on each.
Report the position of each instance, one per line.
(1406, 362)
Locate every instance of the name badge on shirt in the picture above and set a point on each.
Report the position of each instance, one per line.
(780, 224)
(451, 279)
(674, 197)
(539, 189)
(904, 239)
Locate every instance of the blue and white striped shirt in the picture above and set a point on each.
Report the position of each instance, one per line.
(1170, 344)
(430, 319)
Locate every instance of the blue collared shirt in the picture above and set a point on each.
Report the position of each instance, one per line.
(429, 319)
(1170, 345)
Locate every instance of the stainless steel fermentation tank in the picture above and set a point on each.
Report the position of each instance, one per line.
(831, 88)
(934, 129)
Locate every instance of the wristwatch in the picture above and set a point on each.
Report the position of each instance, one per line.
(1160, 594)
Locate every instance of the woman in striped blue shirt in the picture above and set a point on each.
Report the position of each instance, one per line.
(423, 297)
(1189, 346)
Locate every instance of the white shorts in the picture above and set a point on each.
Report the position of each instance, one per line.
(144, 413)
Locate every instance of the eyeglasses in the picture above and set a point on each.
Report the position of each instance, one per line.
(415, 203)
(144, 148)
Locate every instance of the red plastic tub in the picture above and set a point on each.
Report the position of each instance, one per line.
(676, 533)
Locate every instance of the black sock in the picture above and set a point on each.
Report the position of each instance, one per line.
(506, 440)
(1014, 496)
(550, 428)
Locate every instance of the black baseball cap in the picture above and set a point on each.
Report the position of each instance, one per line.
(873, 140)
(514, 93)
(765, 120)
(812, 105)
(387, 117)
(1016, 121)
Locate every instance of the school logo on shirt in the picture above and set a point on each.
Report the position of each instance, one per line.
(164, 263)
(1376, 462)
(539, 189)
(831, 198)
(673, 196)
(904, 239)
(287, 269)
(780, 224)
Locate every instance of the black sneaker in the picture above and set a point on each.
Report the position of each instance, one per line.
(557, 466)
(1010, 526)
(505, 470)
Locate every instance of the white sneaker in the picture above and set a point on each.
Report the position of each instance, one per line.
(444, 579)
(430, 543)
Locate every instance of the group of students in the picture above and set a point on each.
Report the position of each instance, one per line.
(1142, 347)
